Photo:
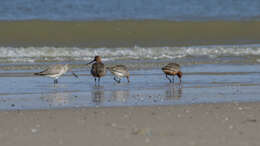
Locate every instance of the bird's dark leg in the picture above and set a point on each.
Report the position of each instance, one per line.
(115, 78)
(98, 81)
(95, 80)
(180, 82)
(173, 78)
(55, 81)
(168, 78)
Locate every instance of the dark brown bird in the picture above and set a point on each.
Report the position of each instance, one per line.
(119, 71)
(98, 69)
(172, 69)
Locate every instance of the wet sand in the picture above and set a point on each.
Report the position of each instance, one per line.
(127, 33)
(232, 124)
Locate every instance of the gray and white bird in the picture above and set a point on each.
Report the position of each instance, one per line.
(119, 71)
(55, 71)
(172, 69)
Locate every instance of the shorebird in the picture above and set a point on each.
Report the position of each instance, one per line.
(98, 69)
(119, 71)
(55, 71)
(172, 69)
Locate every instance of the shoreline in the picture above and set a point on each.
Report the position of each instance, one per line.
(233, 124)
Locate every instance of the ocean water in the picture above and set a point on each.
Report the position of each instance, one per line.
(178, 10)
(195, 31)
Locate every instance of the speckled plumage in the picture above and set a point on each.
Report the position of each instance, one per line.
(119, 71)
(172, 69)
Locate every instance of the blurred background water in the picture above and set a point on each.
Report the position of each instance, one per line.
(178, 10)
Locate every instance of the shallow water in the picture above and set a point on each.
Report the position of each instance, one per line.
(201, 84)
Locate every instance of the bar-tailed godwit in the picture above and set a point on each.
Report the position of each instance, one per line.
(98, 69)
(55, 71)
(172, 69)
(119, 71)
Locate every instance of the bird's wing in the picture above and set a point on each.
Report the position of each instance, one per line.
(172, 67)
(51, 70)
(100, 68)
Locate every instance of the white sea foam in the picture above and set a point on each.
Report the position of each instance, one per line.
(32, 54)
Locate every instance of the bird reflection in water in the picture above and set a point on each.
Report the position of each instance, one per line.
(173, 92)
(56, 99)
(120, 95)
(97, 94)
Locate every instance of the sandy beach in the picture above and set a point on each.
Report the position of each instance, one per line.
(232, 124)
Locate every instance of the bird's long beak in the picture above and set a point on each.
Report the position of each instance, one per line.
(75, 75)
(91, 62)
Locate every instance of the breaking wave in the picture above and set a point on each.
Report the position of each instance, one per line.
(45, 54)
